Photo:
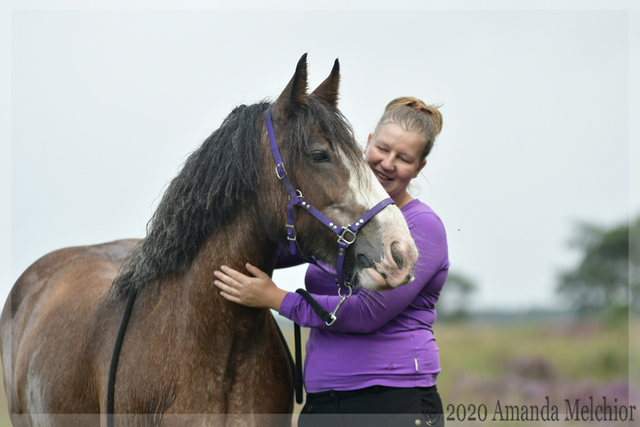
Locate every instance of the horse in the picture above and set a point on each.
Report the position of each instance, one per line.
(189, 356)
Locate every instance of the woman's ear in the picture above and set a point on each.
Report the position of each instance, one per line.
(368, 141)
(422, 165)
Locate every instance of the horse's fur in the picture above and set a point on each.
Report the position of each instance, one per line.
(187, 351)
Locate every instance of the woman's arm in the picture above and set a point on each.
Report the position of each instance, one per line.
(367, 311)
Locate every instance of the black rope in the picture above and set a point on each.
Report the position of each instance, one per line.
(298, 366)
(325, 316)
(320, 311)
(291, 362)
(116, 355)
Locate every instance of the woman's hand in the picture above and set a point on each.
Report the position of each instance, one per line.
(258, 291)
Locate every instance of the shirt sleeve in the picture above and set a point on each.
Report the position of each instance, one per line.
(367, 311)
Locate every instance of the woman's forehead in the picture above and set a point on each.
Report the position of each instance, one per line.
(393, 134)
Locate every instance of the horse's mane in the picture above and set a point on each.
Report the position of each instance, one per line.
(215, 179)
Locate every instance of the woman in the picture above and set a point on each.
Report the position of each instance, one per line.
(379, 356)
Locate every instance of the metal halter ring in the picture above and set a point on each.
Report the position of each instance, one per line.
(346, 229)
(349, 288)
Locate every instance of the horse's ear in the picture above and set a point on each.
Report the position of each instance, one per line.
(328, 89)
(295, 94)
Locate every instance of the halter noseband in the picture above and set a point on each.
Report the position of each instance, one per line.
(346, 234)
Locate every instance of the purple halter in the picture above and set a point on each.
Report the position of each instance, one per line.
(346, 234)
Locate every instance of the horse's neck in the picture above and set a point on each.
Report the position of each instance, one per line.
(240, 243)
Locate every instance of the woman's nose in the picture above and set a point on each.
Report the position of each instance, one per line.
(387, 163)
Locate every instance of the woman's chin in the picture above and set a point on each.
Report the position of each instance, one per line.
(384, 182)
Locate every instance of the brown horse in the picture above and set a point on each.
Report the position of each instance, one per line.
(188, 352)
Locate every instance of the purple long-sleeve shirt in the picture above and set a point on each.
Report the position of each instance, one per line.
(379, 338)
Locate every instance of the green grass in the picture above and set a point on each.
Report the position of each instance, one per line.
(577, 351)
(523, 363)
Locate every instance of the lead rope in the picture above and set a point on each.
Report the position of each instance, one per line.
(297, 378)
(327, 317)
(116, 355)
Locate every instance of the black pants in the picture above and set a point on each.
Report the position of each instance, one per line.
(374, 406)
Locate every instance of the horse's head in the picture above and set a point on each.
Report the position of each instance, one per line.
(326, 164)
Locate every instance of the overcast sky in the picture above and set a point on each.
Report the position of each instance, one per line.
(105, 102)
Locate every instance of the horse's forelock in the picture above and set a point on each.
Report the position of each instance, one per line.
(334, 127)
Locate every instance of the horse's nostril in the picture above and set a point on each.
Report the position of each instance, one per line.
(363, 261)
(396, 255)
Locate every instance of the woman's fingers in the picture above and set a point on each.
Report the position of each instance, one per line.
(226, 281)
(252, 291)
(229, 292)
(230, 297)
(234, 274)
(256, 271)
(224, 286)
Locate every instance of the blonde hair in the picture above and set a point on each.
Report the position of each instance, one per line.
(413, 115)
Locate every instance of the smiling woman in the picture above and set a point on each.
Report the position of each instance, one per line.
(403, 139)
(394, 159)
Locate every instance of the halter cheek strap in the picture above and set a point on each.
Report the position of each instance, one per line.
(346, 234)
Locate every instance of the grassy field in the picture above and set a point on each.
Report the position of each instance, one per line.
(523, 364)
(526, 364)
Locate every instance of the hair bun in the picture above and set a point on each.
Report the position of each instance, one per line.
(436, 116)
(418, 105)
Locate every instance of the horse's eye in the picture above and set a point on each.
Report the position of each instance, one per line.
(320, 157)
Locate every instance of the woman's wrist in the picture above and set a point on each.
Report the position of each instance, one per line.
(275, 298)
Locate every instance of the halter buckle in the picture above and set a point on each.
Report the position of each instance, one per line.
(291, 233)
(281, 172)
(342, 236)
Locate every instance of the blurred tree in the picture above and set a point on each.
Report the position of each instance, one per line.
(608, 274)
(455, 296)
